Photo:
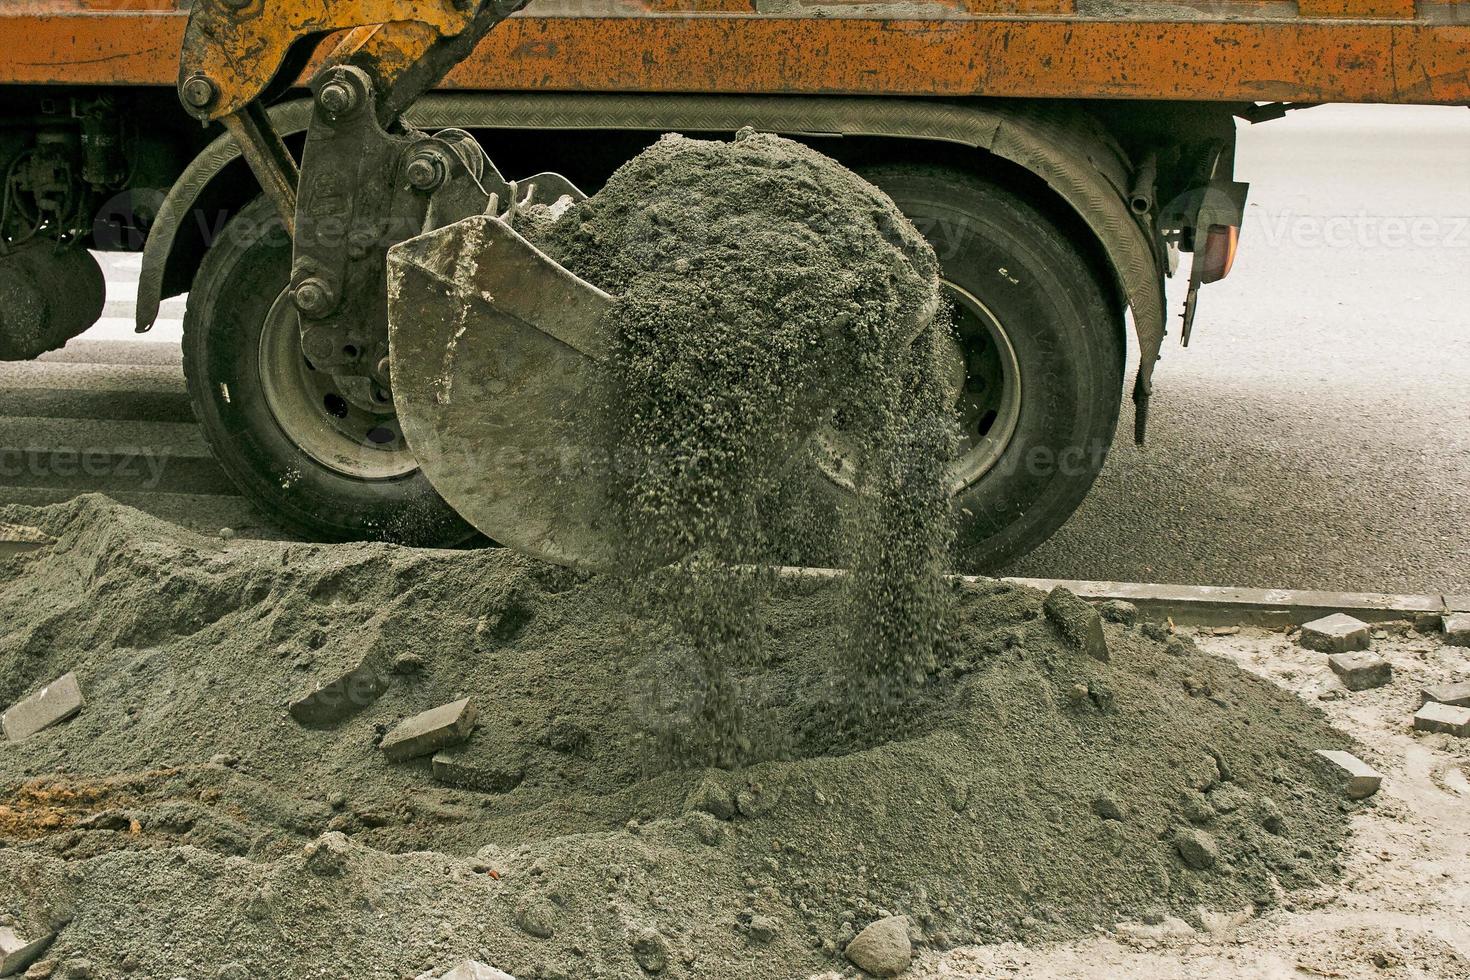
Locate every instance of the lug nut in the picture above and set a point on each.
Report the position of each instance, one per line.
(337, 98)
(312, 297)
(426, 171)
(199, 92)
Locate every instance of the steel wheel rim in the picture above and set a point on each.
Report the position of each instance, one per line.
(989, 403)
(348, 430)
(986, 380)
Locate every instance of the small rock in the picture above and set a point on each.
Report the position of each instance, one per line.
(883, 948)
(227, 534)
(1268, 814)
(225, 759)
(536, 917)
(708, 829)
(77, 969)
(341, 696)
(1457, 629)
(1338, 633)
(1154, 631)
(713, 798)
(1181, 646)
(568, 735)
(327, 855)
(1361, 671)
(1456, 695)
(475, 970)
(233, 971)
(1446, 718)
(1197, 848)
(651, 952)
(763, 929)
(1331, 689)
(52, 704)
(757, 800)
(1079, 623)
(1079, 696)
(1118, 611)
(130, 963)
(1108, 808)
(1195, 808)
(42, 969)
(1359, 780)
(1227, 798)
(431, 730)
(409, 663)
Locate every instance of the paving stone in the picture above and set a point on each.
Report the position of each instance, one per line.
(1359, 780)
(1079, 623)
(17, 954)
(344, 695)
(1361, 671)
(1447, 718)
(53, 703)
(459, 768)
(17, 539)
(431, 730)
(1338, 633)
(1457, 629)
(1453, 694)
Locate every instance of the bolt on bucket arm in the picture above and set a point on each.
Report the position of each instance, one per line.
(238, 53)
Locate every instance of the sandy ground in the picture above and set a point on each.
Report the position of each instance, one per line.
(1403, 908)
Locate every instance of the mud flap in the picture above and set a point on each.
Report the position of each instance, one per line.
(495, 349)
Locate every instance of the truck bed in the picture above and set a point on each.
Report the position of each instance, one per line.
(1392, 51)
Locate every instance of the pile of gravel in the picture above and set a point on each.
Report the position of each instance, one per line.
(186, 825)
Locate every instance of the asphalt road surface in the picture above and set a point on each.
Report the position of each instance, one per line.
(1316, 433)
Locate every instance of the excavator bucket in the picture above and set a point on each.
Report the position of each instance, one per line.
(494, 348)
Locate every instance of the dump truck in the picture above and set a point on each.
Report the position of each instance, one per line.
(1060, 155)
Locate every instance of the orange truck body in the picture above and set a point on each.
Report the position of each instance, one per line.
(1388, 51)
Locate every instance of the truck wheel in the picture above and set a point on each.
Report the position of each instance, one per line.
(1041, 350)
(321, 455)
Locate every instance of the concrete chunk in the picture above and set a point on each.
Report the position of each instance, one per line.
(53, 703)
(1079, 623)
(1359, 780)
(430, 731)
(1457, 629)
(344, 695)
(16, 539)
(1361, 671)
(1452, 694)
(458, 768)
(16, 954)
(1338, 633)
(1446, 718)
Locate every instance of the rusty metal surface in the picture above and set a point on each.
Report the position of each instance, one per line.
(238, 46)
(1273, 58)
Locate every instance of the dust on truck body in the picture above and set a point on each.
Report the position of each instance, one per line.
(1060, 155)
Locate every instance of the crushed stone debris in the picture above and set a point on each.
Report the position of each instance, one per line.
(970, 815)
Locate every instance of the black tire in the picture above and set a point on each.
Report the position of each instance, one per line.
(1068, 346)
(229, 312)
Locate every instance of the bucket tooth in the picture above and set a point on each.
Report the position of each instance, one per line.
(494, 349)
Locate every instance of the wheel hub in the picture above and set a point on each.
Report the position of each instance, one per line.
(347, 423)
